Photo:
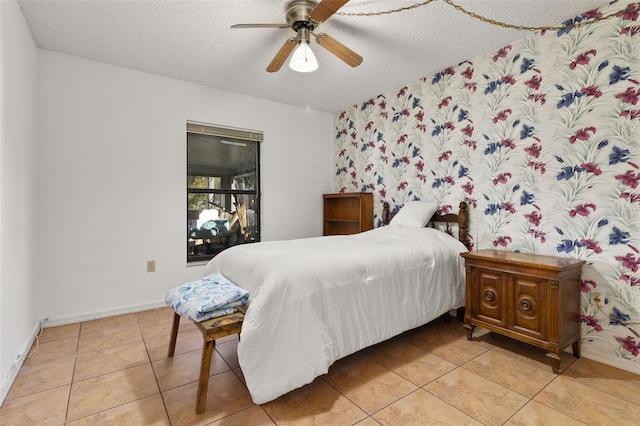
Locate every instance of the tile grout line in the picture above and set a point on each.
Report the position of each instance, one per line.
(345, 396)
(123, 369)
(457, 367)
(575, 381)
(73, 373)
(155, 376)
(374, 356)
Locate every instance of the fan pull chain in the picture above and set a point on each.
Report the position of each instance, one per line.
(485, 19)
(386, 12)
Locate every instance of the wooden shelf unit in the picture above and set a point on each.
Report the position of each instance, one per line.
(528, 297)
(347, 213)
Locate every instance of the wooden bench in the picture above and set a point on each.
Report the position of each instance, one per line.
(211, 330)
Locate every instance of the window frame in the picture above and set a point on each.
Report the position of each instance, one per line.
(231, 195)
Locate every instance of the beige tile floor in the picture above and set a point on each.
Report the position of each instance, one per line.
(115, 371)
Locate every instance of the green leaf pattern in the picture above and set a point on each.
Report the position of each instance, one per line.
(542, 139)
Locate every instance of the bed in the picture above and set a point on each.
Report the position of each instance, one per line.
(315, 300)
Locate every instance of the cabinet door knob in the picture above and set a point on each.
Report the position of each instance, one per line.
(525, 305)
(489, 295)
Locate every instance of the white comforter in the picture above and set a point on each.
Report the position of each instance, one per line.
(313, 301)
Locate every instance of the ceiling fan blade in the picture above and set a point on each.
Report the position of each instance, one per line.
(350, 57)
(260, 26)
(325, 9)
(282, 54)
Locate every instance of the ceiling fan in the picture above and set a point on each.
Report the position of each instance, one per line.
(304, 16)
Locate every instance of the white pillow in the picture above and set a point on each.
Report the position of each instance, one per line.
(414, 214)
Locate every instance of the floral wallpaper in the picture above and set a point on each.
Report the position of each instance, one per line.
(542, 139)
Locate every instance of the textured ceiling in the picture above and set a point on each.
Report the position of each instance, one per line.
(192, 41)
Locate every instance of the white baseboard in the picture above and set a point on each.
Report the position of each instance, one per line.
(54, 322)
(612, 361)
(15, 368)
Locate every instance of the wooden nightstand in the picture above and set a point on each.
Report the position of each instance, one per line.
(532, 298)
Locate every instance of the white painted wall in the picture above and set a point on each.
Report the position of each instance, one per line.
(92, 183)
(18, 196)
(112, 180)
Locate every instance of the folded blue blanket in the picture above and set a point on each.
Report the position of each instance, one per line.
(209, 297)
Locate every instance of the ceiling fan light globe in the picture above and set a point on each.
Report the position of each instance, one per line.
(303, 59)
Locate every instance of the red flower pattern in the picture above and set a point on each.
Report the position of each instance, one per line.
(471, 144)
(502, 241)
(468, 188)
(533, 150)
(502, 115)
(591, 168)
(631, 113)
(594, 168)
(630, 345)
(583, 58)
(629, 179)
(633, 30)
(534, 218)
(591, 245)
(582, 210)
(534, 82)
(538, 97)
(502, 53)
(591, 91)
(444, 156)
(587, 285)
(629, 261)
(591, 322)
(508, 79)
(629, 96)
(501, 178)
(630, 13)
(583, 134)
(444, 102)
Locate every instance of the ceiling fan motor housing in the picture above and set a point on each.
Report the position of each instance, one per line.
(298, 14)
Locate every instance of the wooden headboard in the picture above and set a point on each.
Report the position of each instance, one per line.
(462, 219)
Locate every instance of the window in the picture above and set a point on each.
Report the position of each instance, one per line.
(223, 197)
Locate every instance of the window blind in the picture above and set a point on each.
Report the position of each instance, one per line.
(225, 132)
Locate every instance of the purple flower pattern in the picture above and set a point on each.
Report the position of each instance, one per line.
(542, 146)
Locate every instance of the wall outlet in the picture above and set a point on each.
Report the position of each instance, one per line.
(597, 297)
(151, 265)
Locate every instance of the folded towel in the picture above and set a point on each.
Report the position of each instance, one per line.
(209, 297)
